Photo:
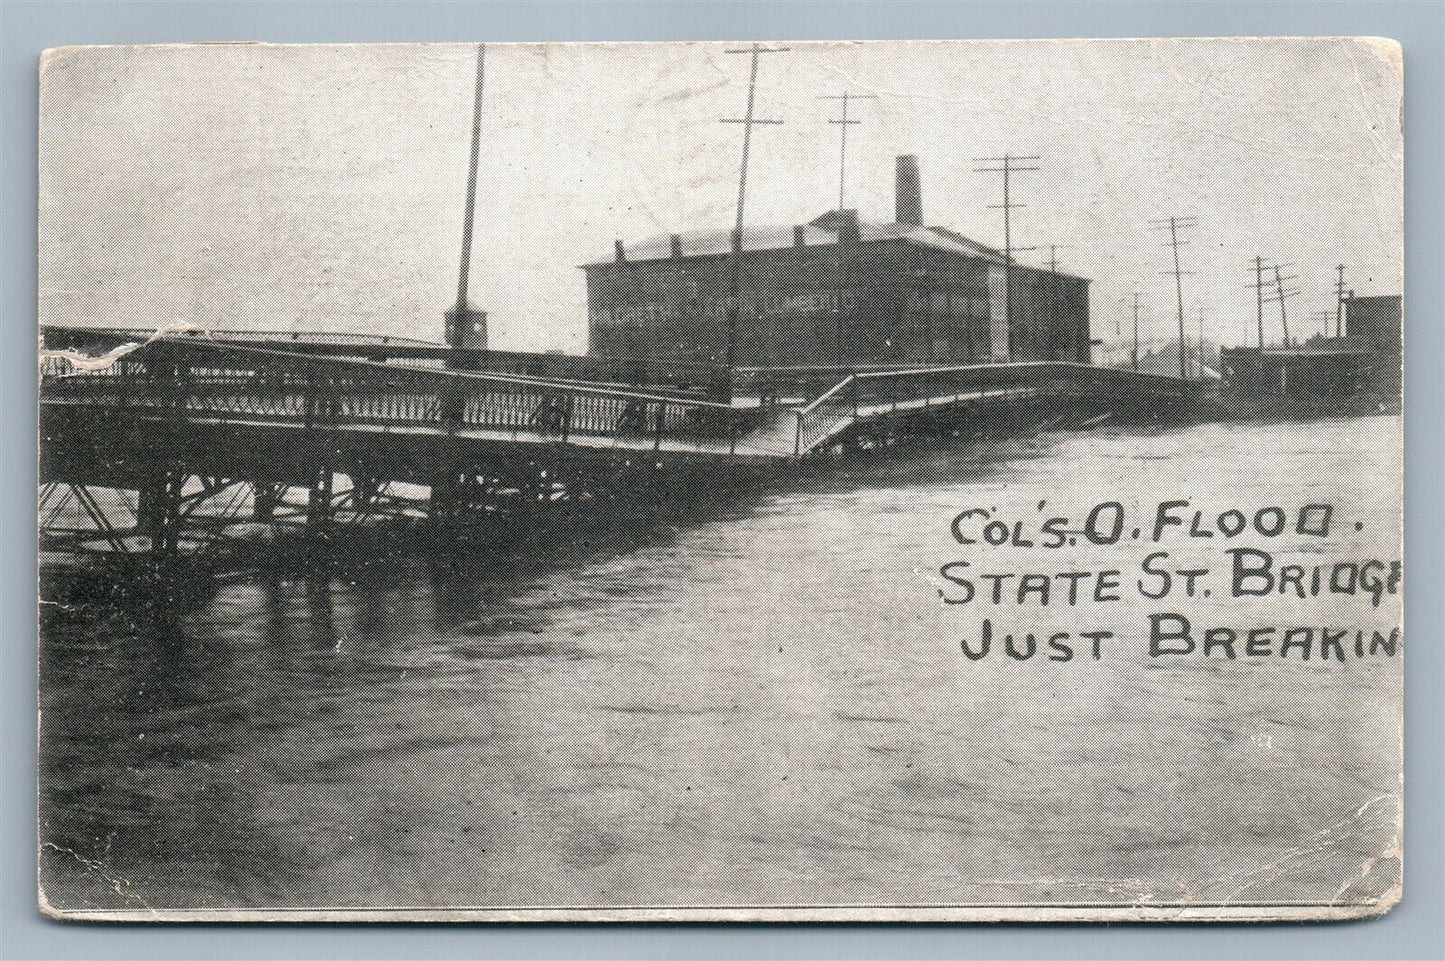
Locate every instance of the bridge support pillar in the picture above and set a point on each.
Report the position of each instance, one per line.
(159, 511)
(364, 489)
(318, 501)
(471, 492)
(442, 502)
(264, 498)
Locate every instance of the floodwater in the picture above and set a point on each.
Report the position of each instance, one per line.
(765, 707)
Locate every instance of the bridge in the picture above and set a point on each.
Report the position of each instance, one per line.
(182, 441)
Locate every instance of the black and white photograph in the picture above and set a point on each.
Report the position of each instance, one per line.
(700, 481)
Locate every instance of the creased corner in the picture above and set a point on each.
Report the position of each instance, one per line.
(81, 362)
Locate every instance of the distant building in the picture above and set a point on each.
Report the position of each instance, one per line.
(1377, 320)
(836, 290)
(1366, 361)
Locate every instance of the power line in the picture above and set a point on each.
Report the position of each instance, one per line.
(1008, 170)
(843, 124)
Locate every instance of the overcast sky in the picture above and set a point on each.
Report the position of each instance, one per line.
(321, 187)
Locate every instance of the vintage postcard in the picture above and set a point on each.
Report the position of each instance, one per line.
(698, 481)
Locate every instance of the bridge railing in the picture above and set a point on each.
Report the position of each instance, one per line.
(659, 375)
(880, 393)
(237, 383)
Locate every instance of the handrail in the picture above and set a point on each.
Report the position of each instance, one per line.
(1118, 372)
(985, 369)
(229, 382)
(202, 334)
(394, 370)
(381, 343)
(828, 393)
(945, 383)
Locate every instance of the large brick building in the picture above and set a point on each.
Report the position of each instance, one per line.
(836, 290)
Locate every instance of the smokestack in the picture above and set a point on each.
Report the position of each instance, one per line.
(848, 229)
(676, 245)
(618, 254)
(908, 193)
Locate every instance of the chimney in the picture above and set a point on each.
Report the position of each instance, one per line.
(798, 235)
(618, 254)
(677, 245)
(848, 232)
(908, 193)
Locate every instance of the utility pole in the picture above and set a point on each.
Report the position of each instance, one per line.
(1175, 223)
(1283, 319)
(1135, 354)
(737, 245)
(470, 213)
(1008, 170)
(1053, 298)
(1259, 296)
(1340, 302)
(1202, 353)
(462, 324)
(1282, 295)
(843, 124)
(1199, 344)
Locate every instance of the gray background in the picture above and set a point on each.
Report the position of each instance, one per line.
(1416, 929)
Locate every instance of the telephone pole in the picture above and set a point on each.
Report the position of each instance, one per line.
(1133, 354)
(737, 245)
(1340, 302)
(1199, 344)
(1259, 296)
(1282, 295)
(1008, 169)
(1174, 224)
(465, 327)
(469, 214)
(843, 124)
(1054, 256)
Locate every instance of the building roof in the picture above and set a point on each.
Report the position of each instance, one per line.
(1338, 347)
(822, 231)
